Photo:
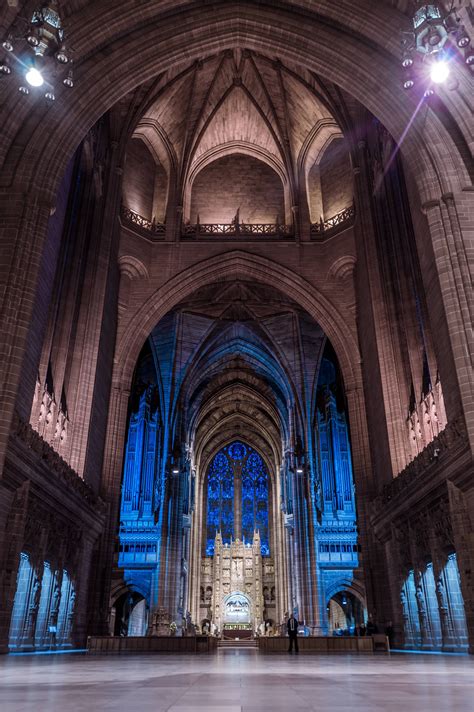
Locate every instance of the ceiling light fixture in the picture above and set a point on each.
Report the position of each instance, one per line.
(40, 48)
(436, 38)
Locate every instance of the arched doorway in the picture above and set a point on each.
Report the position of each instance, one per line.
(130, 615)
(346, 613)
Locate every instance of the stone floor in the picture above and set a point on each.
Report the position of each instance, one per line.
(236, 681)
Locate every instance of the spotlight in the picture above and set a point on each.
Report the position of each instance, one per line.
(61, 56)
(462, 38)
(408, 83)
(49, 96)
(439, 71)
(34, 77)
(8, 45)
(428, 93)
(407, 60)
(5, 68)
(299, 471)
(32, 40)
(175, 472)
(23, 90)
(469, 58)
(68, 81)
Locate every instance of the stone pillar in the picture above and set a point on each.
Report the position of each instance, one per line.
(23, 234)
(82, 593)
(111, 488)
(377, 339)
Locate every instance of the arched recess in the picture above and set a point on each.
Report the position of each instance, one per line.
(347, 584)
(160, 146)
(317, 193)
(139, 178)
(237, 183)
(321, 136)
(237, 147)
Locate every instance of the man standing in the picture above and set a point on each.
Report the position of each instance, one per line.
(292, 626)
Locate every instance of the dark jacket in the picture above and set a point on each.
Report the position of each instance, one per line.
(289, 626)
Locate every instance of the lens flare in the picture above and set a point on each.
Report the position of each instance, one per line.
(439, 72)
(34, 77)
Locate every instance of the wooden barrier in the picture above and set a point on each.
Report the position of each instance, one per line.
(318, 644)
(108, 644)
(97, 645)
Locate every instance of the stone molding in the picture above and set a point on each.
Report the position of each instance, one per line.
(55, 463)
(452, 437)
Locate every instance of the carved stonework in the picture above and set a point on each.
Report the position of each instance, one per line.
(454, 435)
(160, 624)
(58, 467)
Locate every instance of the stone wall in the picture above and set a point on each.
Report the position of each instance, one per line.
(139, 180)
(237, 183)
(336, 178)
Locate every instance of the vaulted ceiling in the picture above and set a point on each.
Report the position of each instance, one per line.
(238, 102)
(237, 358)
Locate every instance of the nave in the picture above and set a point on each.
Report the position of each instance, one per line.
(237, 681)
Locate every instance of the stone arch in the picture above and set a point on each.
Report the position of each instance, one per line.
(49, 143)
(230, 148)
(225, 267)
(357, 590)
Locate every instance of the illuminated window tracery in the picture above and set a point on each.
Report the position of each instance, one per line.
(239, 461)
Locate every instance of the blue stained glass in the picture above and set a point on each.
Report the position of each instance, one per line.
(237, 451)
(241, 460)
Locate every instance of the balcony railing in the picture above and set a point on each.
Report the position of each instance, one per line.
(342, 220)
(237, 230)
(148, 226)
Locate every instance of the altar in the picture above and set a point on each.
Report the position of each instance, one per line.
(234, 580)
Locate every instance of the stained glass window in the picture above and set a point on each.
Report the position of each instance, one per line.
(243, 462)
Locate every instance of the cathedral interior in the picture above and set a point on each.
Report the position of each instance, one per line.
(237, 375)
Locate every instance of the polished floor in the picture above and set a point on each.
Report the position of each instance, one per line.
(236, 681)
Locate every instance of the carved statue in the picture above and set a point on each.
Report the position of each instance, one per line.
(441, 595)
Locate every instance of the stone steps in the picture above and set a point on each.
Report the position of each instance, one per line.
(237, 644)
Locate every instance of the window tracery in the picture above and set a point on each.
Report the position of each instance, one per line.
(237, 463)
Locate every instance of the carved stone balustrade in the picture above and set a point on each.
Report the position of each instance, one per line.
(238, 231)
(338, 222)
(151, 229)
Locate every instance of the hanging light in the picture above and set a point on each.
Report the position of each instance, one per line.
(43, 37)
(428, 49)
(5, 68)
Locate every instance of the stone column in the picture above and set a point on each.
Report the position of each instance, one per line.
(111, 488)
(23, 233)
(377, 340)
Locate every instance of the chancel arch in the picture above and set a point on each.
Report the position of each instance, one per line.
(234, 402)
